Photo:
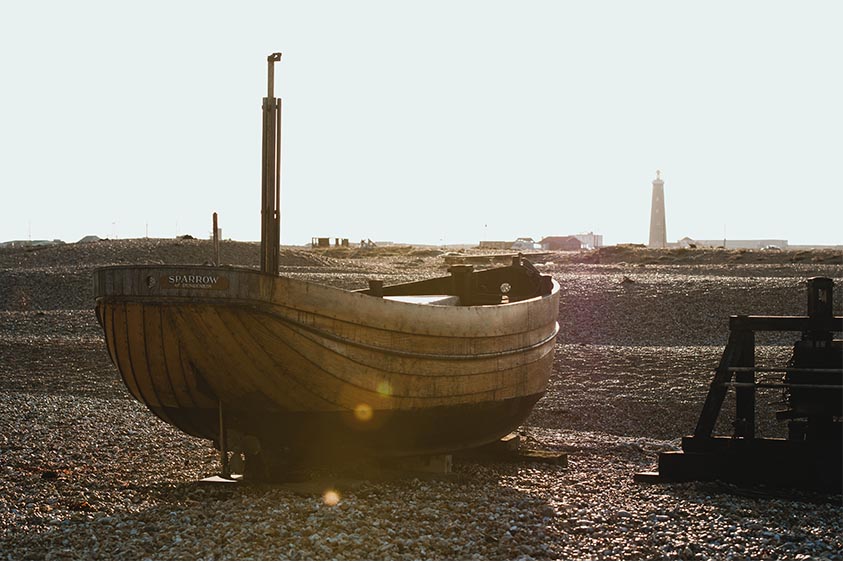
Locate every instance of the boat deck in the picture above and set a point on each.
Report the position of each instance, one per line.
(440, 300)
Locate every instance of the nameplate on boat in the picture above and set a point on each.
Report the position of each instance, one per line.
(191, 281)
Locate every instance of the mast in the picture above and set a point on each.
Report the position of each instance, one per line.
(271, 173)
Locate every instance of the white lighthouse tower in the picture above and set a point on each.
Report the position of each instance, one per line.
(658, 230)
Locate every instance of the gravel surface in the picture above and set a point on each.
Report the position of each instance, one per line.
(88, 473)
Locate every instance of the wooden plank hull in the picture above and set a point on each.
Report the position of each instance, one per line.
(311, 367)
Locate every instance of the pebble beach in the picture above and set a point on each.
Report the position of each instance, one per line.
(86, 472)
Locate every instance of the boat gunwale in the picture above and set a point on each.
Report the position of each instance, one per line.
(294, 281)
(326, 301)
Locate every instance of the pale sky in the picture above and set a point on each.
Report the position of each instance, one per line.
(424, 122)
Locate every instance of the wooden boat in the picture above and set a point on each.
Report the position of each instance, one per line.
(425, 368)
(419, 368)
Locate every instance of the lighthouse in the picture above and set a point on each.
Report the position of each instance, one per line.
(658, 230)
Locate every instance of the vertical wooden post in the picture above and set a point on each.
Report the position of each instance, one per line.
(820, 304)
(745, 396)
(276, 225)
(739, 352)
(216, 241)
(226, 471)
(461, 275)
(376, 287)
(271, 174)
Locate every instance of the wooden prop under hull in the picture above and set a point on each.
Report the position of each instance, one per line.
(307, 366)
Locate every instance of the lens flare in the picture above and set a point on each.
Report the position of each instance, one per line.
(331, 498)
(363, 412)
(384, 388)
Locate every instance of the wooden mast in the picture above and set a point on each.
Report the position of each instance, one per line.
(271, 174)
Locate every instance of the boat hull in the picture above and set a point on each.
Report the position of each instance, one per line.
(328, 435)
(320, 370)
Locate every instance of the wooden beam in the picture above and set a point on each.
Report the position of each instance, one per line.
(732, 356)
(785, 323)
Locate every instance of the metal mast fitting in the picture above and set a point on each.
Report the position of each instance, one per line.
(271, 174)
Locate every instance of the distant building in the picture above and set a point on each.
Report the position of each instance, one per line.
(590, 240)
(570, 243)
(733, 244)
(30, 243)
(318, 242)
(524, 244)
(563, 243)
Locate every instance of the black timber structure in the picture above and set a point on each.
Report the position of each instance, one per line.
(811, 457)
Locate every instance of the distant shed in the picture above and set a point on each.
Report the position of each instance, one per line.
(321, 242)
(563, 243)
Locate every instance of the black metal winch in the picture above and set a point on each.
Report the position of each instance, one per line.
(811, 457)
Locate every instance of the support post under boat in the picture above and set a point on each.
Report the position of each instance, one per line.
(225, 476)
(225, 471)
